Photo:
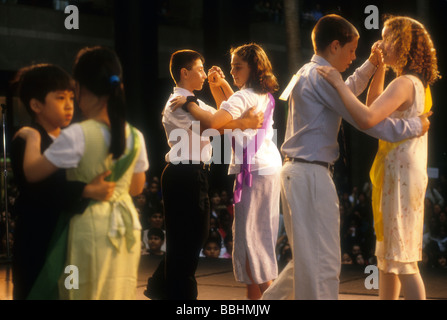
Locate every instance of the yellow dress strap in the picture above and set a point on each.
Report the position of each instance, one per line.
(428, 100)
(377, 172)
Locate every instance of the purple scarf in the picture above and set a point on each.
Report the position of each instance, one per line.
(245, 174)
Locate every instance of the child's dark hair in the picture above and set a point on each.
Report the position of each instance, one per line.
(262, 79)
(156, 232)
(332, 27)
(98, 69)
(183, 59)
(36, 81)
(212, 240)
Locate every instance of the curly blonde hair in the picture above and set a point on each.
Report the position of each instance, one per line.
(414, 47)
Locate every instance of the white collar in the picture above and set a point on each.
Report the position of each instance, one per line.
(182, 91)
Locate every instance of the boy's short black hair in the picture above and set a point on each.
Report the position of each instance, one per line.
(183, 59)
(156, 232)
(332, 27)
(36, 81)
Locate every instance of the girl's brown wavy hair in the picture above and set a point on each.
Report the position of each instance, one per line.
(261, 79)
(414, 48)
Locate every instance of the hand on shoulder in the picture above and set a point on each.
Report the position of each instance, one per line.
(331, 75)
(27, 133)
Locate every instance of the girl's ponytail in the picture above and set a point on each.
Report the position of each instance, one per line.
(98, 69)
(117, 115)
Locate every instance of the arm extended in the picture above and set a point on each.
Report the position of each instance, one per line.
(221, 119)
(399, 93)
(390, 129)
(220, 88)
(37, 167)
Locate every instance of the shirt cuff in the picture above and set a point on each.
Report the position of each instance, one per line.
(369, 68)
(416, 125)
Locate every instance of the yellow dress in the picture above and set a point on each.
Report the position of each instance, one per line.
(402, 197)
(104, 241)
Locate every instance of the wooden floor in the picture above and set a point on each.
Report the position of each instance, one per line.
(216, 281)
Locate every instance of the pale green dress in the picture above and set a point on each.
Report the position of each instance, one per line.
(104, 241)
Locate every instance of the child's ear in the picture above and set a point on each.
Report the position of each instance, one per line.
(35, 105)
(334, 46)
(183, 73)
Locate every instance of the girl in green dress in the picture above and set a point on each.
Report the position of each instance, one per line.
(103, 243)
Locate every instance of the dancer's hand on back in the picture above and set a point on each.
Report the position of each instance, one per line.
(253, 120)
(100, 189)
(425, 122)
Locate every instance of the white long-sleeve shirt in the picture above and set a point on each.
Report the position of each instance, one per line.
(316, 111)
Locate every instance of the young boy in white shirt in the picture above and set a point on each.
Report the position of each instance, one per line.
(185, 182)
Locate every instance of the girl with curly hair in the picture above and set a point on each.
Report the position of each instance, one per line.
(257, 182)
(399, 171)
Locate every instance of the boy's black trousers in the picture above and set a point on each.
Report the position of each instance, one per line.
(187, 214)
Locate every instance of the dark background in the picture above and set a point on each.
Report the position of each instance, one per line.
(145, 33)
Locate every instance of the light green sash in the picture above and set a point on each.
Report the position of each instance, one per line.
(46, 285)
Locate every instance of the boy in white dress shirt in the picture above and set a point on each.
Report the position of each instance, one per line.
(184, 182)
(310, 148)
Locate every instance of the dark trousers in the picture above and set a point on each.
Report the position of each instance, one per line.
(187, 212)
(32, 237)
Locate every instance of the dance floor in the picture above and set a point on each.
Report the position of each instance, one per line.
(216, 281)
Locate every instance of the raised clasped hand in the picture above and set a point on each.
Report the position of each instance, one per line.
(376, 54)
(215, 76)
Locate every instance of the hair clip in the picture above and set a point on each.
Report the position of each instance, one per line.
(114, 79)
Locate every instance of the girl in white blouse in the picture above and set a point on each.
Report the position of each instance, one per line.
(257, 211)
